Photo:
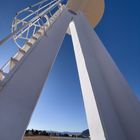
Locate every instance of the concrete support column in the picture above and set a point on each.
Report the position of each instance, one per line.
(20, 93)
(113, 112)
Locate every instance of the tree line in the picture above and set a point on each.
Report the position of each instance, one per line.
(45, 133)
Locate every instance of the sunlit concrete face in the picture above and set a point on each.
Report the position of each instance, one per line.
(92, 9)
(93, 118)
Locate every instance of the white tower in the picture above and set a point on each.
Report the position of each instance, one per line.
(112, 110)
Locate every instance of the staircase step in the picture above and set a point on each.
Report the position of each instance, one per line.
(13, 62)
(40, 31)
(1, 75)
(22, 51)
(19, 54)
(29, 44)
(34, 37)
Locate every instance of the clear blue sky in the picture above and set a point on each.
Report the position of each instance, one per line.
(60, 106)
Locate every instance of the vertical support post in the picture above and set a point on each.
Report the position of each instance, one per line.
(21, 92)
(112, 109)
(93, 118)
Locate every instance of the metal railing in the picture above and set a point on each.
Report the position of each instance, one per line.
(30, 28)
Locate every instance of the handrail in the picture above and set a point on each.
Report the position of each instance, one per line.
(32, 20)
(8, 66)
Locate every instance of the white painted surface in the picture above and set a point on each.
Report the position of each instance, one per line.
(118, 108)
(93, 118)
(20, 94)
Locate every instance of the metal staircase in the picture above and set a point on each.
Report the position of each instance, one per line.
(50, 12)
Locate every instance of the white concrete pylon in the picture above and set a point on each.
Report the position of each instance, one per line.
(93, 118)
(108, 99)
(20, 93)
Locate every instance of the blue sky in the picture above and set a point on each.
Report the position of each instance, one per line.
(60, 106)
